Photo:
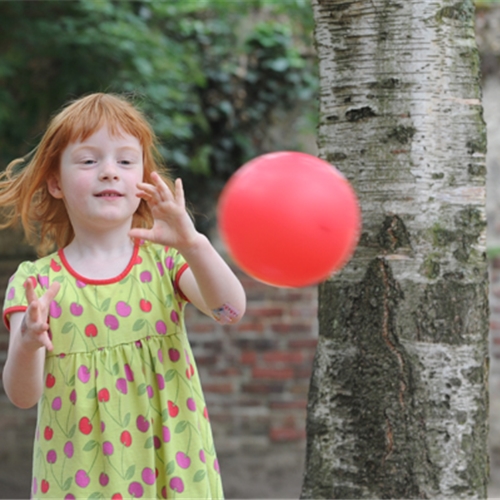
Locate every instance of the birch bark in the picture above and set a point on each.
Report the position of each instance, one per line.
(398, 403)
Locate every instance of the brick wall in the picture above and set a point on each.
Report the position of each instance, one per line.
(255, 374)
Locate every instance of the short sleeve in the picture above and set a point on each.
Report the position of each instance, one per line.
(15, 296)
(175, 265)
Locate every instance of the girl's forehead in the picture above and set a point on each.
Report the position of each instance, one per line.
(106, 134)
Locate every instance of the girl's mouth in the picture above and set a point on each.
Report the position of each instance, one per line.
(108, 194)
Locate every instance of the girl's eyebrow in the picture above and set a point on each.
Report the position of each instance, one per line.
(83, 147)
(129, 148)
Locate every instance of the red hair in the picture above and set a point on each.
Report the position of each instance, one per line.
(23, 191)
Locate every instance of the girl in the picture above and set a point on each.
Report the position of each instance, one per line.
(97, 329)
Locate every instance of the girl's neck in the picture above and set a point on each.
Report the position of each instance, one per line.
(101, 257)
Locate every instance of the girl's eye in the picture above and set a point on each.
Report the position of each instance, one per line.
(88, 161)
(128, 163)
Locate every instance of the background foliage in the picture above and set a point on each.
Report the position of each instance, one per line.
(210, 74)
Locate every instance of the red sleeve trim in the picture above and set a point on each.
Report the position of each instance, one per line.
(11, 310)
(180, 272)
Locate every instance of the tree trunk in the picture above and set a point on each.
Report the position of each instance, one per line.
(398, 402)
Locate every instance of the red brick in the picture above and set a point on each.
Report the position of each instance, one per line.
(294, 357)
(225, 372)
(248, 358)
(303, 344)
(226, 388)
(265, 312)
(286, 434)
(250, 327)
(301, 404)
(273, 373)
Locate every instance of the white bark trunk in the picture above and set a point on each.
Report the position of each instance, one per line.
(398, 402)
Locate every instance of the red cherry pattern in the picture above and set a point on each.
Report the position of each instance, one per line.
(91, 330)
(50, 380)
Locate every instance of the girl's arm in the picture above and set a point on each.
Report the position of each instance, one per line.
(29, 339)
(209, 283)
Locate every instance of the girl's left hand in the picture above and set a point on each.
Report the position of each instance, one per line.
(172, 224)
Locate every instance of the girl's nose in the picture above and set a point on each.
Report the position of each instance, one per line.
(108, 170)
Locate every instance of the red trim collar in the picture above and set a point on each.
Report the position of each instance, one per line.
(107, 281)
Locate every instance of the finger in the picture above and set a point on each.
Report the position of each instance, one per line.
(164, 191)
(33, 312)
(29, 290)
(141, 234)
(46, 299)
(45, 340)
(146, 189)
(150, 194)
(179, 192)
(52, 291)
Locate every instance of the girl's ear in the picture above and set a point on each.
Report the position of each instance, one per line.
(54, 188)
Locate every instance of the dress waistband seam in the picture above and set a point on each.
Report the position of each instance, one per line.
(108, 348)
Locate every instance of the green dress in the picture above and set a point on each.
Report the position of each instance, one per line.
(122, 413)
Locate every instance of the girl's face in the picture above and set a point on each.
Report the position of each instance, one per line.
(97, 180)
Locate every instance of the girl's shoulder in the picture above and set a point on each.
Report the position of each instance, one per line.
(39, 265)
(157, 249)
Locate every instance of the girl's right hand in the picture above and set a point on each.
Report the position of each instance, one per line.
(35, 326)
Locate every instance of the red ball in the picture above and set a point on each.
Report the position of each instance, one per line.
(289, 219)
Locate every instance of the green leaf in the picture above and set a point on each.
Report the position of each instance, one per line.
(169, 302)
(90, 445)
(164, 415)
(72, 431)
(170, 375)
(115, 369)
(141, 389)
(170, 467)
(181, 426)
(199, 476)
(67, 484)
(139, 325)
(126, 420)
(130, 472)
(96, 494)
(105, 304)
(67, 327)
(92, 394)
(149, 442)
